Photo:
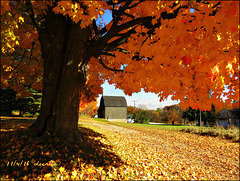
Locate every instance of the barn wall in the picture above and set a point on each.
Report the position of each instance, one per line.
(101, 113)
(116, 112)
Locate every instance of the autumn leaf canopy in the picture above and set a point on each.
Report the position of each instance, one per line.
(188, 49)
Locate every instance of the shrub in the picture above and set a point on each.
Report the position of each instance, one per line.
(141, 117)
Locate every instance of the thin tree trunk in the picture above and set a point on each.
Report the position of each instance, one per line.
(64, 49)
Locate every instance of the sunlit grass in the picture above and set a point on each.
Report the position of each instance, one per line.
(229, 133)
(150, 126)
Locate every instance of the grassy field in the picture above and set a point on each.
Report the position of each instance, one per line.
(151, 126)
(230, 133)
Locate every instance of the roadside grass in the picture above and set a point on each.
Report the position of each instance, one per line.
(169, 127)
(231, 133)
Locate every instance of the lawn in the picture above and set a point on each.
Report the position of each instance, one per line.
(231, 133)
(117, 151)
(146, 126)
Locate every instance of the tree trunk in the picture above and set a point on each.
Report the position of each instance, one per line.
(63, 46)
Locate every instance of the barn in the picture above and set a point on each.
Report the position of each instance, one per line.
(113, 108)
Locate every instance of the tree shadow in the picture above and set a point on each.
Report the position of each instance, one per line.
(24, 154)
(15, 123)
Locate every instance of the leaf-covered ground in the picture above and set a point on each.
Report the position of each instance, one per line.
(114, 152)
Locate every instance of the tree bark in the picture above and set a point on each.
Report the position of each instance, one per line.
(64, 50)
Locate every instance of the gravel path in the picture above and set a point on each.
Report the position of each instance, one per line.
(202, 153)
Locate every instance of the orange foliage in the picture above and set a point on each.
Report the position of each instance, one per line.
(172, 117)
(193, 56)
(88, 108)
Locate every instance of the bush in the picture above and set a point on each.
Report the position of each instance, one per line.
(141, 117)
(27, 106)
(7, 98)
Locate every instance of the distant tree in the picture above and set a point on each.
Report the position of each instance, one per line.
(173, 114)
(7, 98)
(190, 114)
(131, 110)
(156, 116)
(10, 102)
(89, 109)
(142, 116)
(207, 117)
(27, 105)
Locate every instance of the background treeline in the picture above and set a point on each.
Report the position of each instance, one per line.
(175, 115)
(11, 105)
(167, 115)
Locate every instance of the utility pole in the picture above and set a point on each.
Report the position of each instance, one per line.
(134, 105)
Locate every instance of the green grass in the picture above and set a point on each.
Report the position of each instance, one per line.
(101, 120)
(151, 126)
(230, 133)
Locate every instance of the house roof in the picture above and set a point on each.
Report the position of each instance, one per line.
(114, 101)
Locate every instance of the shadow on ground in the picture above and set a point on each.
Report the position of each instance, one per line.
(25, 155)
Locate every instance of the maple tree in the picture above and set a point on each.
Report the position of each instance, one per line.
(188, 49)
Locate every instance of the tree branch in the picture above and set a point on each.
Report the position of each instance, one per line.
(20, 61)
(134, 5)
(33, 43)
(123, 38)
(128, 15)
(31, 14)
(115, 30)
(116, 14)
(138, 21)
(122, 50)
(108, 68)
(95, 28)
(108, 53)
(101, 42)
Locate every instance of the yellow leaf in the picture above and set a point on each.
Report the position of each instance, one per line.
(21, 19)
(61, 169)
(25, 177)
(47, 175)
(74, 173)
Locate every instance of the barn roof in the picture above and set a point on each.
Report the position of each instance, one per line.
(114, 101)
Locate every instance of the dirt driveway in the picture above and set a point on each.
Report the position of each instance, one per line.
(177, 151)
